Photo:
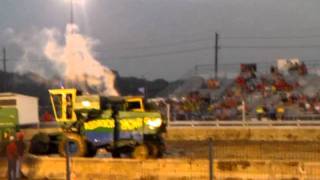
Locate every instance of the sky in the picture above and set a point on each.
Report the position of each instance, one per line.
(168, 38)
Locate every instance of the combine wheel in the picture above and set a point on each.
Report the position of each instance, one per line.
(116, 153)
(141, 152)
(153, 150)
(40, 144)
(91, 152)
(161, 150)
(77, 145)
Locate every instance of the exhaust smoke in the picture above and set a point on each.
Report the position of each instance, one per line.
(72, 60)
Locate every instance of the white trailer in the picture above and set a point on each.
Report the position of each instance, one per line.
(27, 106)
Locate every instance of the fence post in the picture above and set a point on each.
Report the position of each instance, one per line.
(168, 113)
(243, 105)
(211, 177)
(68, 164)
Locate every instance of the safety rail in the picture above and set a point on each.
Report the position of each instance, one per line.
(253, 123)
(223, 123)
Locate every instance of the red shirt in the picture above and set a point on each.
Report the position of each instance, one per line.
(12, 150)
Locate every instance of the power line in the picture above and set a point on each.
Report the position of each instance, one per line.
(164, 53)
(187, 50)
(271, 47)
(272, 37)
(208, 39)
(167, 44)
(220, 47)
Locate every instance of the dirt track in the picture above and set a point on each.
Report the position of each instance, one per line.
(273, 150)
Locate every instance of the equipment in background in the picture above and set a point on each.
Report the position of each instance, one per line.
(16, 111)
(27, 107)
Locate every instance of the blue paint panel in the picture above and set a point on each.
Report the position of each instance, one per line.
(103, 138)
(131, 135)
(99, 138)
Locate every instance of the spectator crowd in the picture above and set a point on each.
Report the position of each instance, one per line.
(276, 95)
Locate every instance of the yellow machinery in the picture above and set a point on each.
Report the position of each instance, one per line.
(119, 124)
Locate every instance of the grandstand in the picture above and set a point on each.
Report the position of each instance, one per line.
(284, 90)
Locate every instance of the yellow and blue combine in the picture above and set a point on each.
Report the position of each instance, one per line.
(121, 125)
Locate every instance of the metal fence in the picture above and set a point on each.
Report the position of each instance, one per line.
(266, 160)
(235, 123)
(254, 159)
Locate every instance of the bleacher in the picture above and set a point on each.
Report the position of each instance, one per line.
(291, 87)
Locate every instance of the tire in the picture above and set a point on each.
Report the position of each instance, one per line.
(40, 144)
(153, 150)
(77, 145)
(91, 151)
(116, 154)
(156, 150)
(156, 146)
(161, 150)
(141, 152)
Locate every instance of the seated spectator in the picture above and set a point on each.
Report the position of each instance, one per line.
(317, 108)
(280, 112)
(303, 69)
(260, 111)
(272, 112)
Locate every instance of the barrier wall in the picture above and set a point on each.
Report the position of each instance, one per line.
(127, 169)
(84, 168)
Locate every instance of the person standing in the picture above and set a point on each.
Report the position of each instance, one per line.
(20, 152)
(12, 158)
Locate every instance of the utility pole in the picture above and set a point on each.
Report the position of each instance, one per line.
(196, 70)
(4, 60)
(216, 49)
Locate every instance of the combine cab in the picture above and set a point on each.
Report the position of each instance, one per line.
(89, 122)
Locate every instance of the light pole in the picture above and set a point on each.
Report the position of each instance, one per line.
(71, 12)
(73, 4)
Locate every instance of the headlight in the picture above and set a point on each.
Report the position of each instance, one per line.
(86, 103)
(155, 123)
(6, 135)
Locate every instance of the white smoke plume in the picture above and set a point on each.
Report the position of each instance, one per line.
(77, 63)
(50, 54)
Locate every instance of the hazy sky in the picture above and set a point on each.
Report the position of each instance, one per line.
(167, 38)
